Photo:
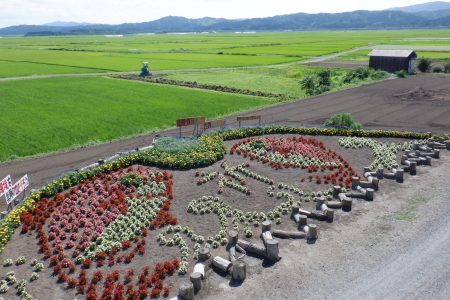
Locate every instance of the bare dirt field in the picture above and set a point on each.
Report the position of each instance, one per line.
(393, 248)
(391, 104)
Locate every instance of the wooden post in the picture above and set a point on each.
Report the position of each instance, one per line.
(239, 271)
(252, 248)
(288, 235)
(186, 291)
(266, 225)
(221, 263)
(232, 254)
(334, 204)
(196, 279)
(272, 250)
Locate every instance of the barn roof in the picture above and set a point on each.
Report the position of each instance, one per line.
(392, 53)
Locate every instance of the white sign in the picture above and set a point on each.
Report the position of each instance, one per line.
(5, 185)
(16, 189)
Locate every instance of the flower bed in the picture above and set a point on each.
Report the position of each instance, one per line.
(210, 149)
(298, 152)
(103, 221)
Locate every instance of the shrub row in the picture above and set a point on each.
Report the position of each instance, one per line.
(193, 84)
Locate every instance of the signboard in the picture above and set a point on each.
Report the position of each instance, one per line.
(16, 189)
(185, 122)
(249, 118)
(215, 124)
(5, 185)
(198, 122)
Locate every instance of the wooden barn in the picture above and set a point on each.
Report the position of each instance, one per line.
(393, 60)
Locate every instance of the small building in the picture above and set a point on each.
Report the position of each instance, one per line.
(393, 60)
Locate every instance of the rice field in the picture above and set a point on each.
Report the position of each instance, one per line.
(92, 54)
(45, 115)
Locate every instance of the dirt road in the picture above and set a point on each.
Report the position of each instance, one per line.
(396, 247)
(419, 103)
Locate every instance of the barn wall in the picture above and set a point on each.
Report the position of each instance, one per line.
(389, 64)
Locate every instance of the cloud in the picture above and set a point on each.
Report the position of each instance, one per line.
(13, 12)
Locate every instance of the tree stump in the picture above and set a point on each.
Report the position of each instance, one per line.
(347, 204)
(380, 173)
(399, 175)
(312, 234)
(204, 254)
(239, 271)
(330, 214)
(355, 182)
(233, 236)
(303, 220)
(200, 268)
(295, 210)
(336, 191)
(266, 236)
(186, 291)
(413, 168)
(370, 194)
(196, 279)
(272, 250)
(266, 226)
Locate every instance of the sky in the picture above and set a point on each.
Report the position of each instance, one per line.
(15, 12)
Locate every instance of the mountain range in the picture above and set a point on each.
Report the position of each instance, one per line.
(427, 15)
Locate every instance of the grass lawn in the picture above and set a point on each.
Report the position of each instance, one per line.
(44, 115)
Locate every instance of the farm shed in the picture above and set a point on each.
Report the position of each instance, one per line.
(393, 60)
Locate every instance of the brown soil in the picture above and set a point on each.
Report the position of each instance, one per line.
(185, 189)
